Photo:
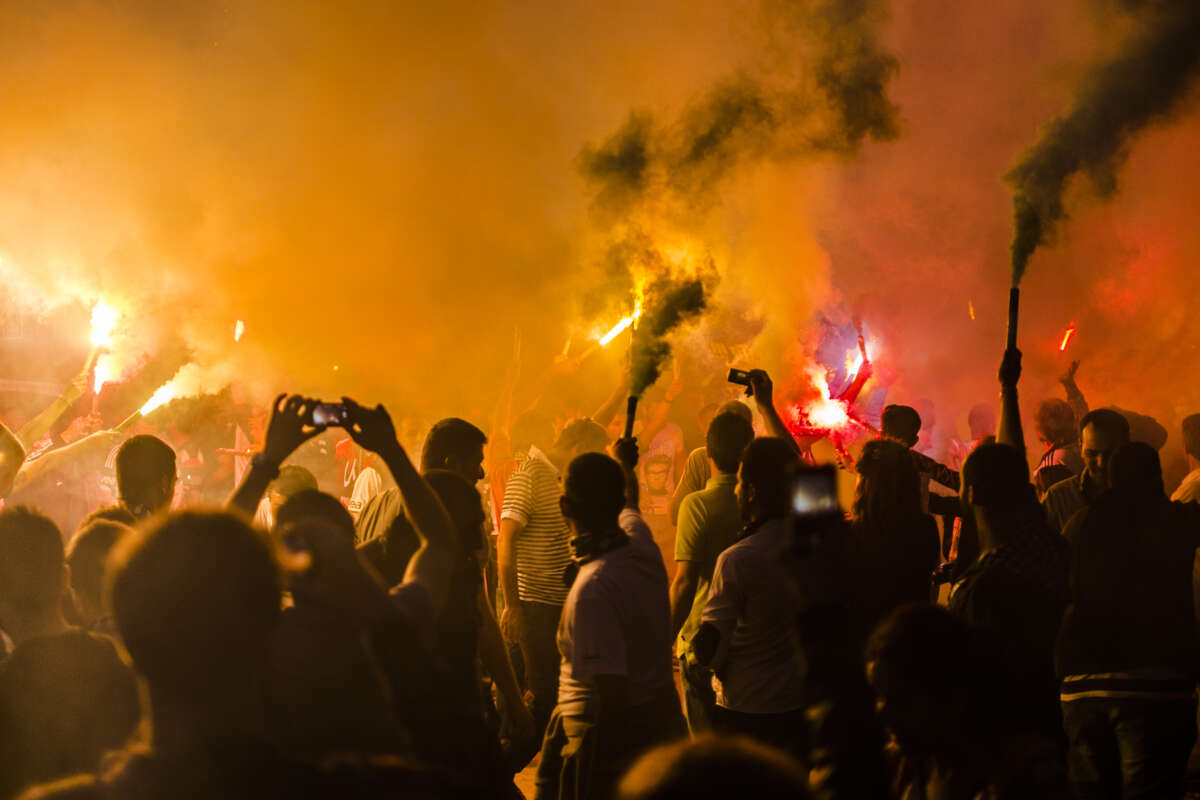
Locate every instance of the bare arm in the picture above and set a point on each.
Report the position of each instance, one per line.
(12, 454)
(1010, 432)
(683, 593)
(612, 405)
(506, 561)
(494, 656)
(287, 430)
(1075, 398)
(90, 449)
(763, 392)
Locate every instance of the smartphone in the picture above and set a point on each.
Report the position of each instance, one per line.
(814, 492)
(739, 376)
(330, 415)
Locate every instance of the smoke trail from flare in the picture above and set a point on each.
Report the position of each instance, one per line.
(1144, 83)
(669, 303)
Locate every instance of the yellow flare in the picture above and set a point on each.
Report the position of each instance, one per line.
(616, 330)
(971, 309)
(102, 373)
(166, 393)
(239, 328)
(104, 321)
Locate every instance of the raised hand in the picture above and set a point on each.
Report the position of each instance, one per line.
(1010, 368)
(290, 426)
(761, 388)
(1068, 377)
(371, 428)
(625, 451)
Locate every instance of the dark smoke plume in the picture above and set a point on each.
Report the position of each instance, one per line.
(669, 303)
(1144, 83)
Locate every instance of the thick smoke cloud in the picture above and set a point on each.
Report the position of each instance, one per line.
(1142, 83)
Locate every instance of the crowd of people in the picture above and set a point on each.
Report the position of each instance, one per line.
(546, 599)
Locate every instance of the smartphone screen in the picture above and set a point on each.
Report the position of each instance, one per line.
(815, 492)
(327, 414)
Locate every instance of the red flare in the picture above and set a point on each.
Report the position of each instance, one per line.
(1066, 339)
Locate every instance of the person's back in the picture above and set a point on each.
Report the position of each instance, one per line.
(146, 475)
(1128, 653)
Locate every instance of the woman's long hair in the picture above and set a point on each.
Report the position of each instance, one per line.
(889, 487)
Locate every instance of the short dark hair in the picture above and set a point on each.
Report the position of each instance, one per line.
(313, 504)
(292, 480)
(87, 554)
(997, 476)
(770, 466)
(714, 766)
(1055, 420)
(143, 463)
(195, 596)
(726, 440)
(31, 559)
(1191, 435)
(1135, 467)
(595, 488)
(925, 646)
(450, 438)
(736, 407)
(109, 514)
(902, 423)
(889, 488)
(1107, 421)
(584, 434)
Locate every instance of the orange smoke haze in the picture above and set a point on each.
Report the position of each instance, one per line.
(391, 189)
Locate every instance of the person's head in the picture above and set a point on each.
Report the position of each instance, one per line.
(465, 507)
(146, 475)
(33, 571)
(889, 486)
(981, 421)
(736, 407)
(292, 480)
(1101, 432)
(712, 766)
(86, 556)
(765, 478)
(1135, 470)
(995, 479)
(920, 666)
(901, 424)
(1055, 423)
(657, 471)
(309, 505)
(196, 596)
(1191, 437)
(593, 494)
(728, 435)
(531, 429)
(456, 445)
(580, 436)
(108, 514)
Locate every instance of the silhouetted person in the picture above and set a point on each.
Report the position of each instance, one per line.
(934, 681)
(1058, 431)
(698, 469)
(86, 556)
(714, 766)
(1017, 588)
(900, 424)
(1189, 489)
(146, 476)
(292, 480)
(1101, 432)
(747, 630)
(452, 444)
(893, 547)
(1128, 652)
(709, 521)
(65, 696)
(616, 693)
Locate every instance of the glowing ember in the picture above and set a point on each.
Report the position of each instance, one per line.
(239, 328)
(104, 321)
(971, 310)
(1068, 334)
(616, 330)
(165, 394)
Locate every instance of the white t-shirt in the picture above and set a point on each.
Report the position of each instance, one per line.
(617, 621)
(366, 485)
(753, 601)
(1189, 490)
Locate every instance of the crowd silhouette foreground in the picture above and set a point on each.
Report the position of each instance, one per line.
(409, 643)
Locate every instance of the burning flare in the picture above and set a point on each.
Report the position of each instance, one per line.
(239, 329)
(165, 394)
(1068, 335)
(104, 322)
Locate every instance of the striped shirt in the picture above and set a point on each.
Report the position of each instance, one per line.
(1132, 685)
(543, 551)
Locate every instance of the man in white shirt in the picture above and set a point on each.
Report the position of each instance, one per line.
(747, 634)
(616, 695)
(1189, 490)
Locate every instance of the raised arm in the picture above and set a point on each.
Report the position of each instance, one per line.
(432, 564)
(762, 390)
(1075, 398)
(288, 429)
(12, 454)
(89, 451)
(625, 451)
(36, 428)
(1010, 432)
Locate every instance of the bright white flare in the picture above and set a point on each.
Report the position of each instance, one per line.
(104, 322)
(616, 331)
(239, 328)
(101, 373)
(165, 394)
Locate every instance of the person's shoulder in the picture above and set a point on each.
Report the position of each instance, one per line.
(1064, 489)
(78, 787)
